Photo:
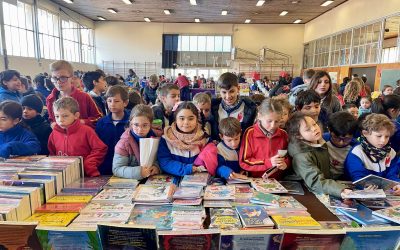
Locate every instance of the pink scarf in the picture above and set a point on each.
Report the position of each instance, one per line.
(184, 141)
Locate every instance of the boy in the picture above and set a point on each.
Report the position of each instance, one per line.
(365, 105)
(111, 127)
(340, 140)
(308, 102)
(61, 77)
(150, 91)
(308, 74)
(228, 149)
(231, 105)
(32, 107)
(203, 103)
(96, 85)
(352, 109)
(169, 95)
(71, 138)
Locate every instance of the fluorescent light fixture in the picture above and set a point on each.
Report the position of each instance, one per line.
(297, 21)
(224, 12)
(283, 13)
(147, 19)
(101, 18)
(114, 11)
(127, 1)
(326, 3)
(260, 3)
(197, 20)
(247, 21)
(167, 12)
(193, 2)
(69, 1)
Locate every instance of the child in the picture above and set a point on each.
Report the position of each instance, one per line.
(203, 104)
(365, 105)
(14, 139)
(228, 149)
(96, 84)
(387, 90)
(322, 84)
(261, 142)
(352, 109)
(308, 103)
(111, 127)
(40, 83)
(310, 156)
(231, 105)
(286, 110)
(169, 95)
(182, 142)
(352, 93)
(340, 139)
(10, 85)
(374, 155)
(62, 73)
(150, 91)
(126, 163)
(71, 138)
(32, 109)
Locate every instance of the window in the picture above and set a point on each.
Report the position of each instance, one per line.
(365, 44)
(87, 45)
(340, 49)
(70, 31)
(322, 52)
(18, 27)
(49, 35)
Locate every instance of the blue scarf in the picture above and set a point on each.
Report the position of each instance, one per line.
(230, 109)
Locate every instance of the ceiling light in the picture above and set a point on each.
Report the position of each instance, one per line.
(69, 1)
(247, 21)
(224, 13)
(260, 3)
(147, 19)
(197, 20)
(101, 18)
(283, 13)
(193, 2)
(326, 3)
(297, 21)
(114, 11)
(167, 12)
(127, 1)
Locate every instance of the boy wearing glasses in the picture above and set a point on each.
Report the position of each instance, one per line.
(340, 140)
(61, 77)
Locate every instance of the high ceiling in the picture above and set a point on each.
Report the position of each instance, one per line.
(208, 11)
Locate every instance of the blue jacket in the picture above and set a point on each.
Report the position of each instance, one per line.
(228, 160)
(110, 135)
(45, 92)
(358, 165)
(150, 95)
(395, 139)
(6, 94)
(18, 141)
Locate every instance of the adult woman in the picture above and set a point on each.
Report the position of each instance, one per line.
(322, 84)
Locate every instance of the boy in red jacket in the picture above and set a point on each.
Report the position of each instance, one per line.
(71, 138)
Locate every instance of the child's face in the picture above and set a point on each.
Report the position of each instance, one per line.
(322, 86)
(231, 142)
(29, 113)
(353, 111)
(62, 80)
(153, 84)
(270, 121)
(14, 84)
(172, 98)
(64, 117)
(339, 141)
(312, 110)
(101, 84)
(229, 96)
(7, 122)
(388, 91)
(186, 121)
(365, 103)
(205, 108)
(309, 130)
(140, 125)
(284, 118)
(378, 139)
(116, 104)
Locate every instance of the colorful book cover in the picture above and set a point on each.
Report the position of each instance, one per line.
(108, 207)
(293, 187)
(364, 216)
(188, 192)
(224, 219)
(187, 202)
(371, 239)
(219, 193)
(108, 217)
(116, 182)
(268, 186)
(53, 219)
(127, 237)
(159, 179)
(348, 204)
(154, 193)
(217, 204)
(189, 240)
(114, 195)
(18, 235)
(61, 208)
(378, 181)
(335, 224)
(70, 199)
(196, 179)
(160, 216)
(295, 221)
(95, 183)
(321, 240)
(391, 213)
(287, 203)
(254, 216)
(216, 181)
(271, 200)
(365, 194)
(251, 239)
(376, 203)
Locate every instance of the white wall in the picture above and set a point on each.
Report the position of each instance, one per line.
(349, 14)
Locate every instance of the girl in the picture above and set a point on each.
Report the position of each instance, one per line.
(374, 155)
(126, 158)
(14, 139)
(182, 142)
(261, 142)
(310, 156)
(286, 110)
(322, 84)
(389, 105)
(10, 85)
(352, 93)
(387, 90)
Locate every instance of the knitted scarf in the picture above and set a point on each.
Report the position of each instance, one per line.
(184, 141)
(231, 108)
(374, 154)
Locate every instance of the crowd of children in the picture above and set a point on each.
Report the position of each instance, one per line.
(315, 140)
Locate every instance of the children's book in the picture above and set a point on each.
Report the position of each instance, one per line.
(188, 192)
(217, 204)
(160, 216)
(19, 235)
(243, 193)
(53, 219)
(159, 179)
(348, 204)
(312, 239)
(254, 216)
(108, 217)
(371, 238)
(184, 218)
(238, 181)
(335, 224)
(286, 204)
(376, 203)
(391, 213)
(364, 216)
(268, 186)
(124, 183)
(108, 207)
(271, 200)
(189, 240)
(377, 181)
(365, 194)
(61, 208)
(224, 219)
(215, 181)
(219, 193)
(293, 187)
(187, 202)
(70, 199)
(295, 222)
(114, 196)
(154, 193)
(251, 239)
(196, 179)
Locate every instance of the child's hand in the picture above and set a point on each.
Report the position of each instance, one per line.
(234, 175)
(82, 121)
(52, 125)
(277, 160)
(396, 190)
(370, 187)
(145, 171)
(154, 170)
(345, 192)
(282, 165)
(199, 169)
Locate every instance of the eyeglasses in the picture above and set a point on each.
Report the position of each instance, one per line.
(341, 139)
(61, 79)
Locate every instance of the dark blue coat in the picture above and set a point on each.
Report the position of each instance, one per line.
(18, 141)
(6, 94)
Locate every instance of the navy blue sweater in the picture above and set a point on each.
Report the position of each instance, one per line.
(18, 141)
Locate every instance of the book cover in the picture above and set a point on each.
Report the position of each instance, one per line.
(61, 208)
(293, 187)
(216, 181)
(364, 216)
(268, 186)
(95, 183)
(219, 193)
(254, 216)
(189, 240)
(378, 181)
(187, 192)
(108, 207)
(286, 204)
(251, 239)
(318, 239)
(153, 193)
(335, 224)
(159, 179)
(160, 216)
(336, 202)
(196, 179)
(53, 219)
(224, 219)
(18, 235)
(391, 213)
(365, 194)
(114, 195)
(115, 237)
(116, 182)
(217, 204)
(109, 217)
(295, 221)
(265, 199)
(376, 203)
(70, 199)
(187, 202)
(371, 239)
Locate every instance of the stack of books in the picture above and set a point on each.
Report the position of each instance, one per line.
(188, 195)
(196, 179)
(87, 185)
(147, 215)
(224, 219)
(188, 218)
(114, 196)
(254, 216)
(160, 179)
(220, 193)
(154, 194)
(268, 186)
(116, 182)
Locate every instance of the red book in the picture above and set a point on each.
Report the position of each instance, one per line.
(61, 208)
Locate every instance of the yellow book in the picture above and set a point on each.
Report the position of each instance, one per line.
(70, 199)
(300, 222)
(53, 219)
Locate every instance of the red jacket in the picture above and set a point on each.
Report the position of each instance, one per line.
(87, 108)
(182, 81)
(78, 140)
(256, 150)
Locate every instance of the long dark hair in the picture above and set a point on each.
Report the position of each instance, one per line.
(7, 75)
(189, 105)
(11, 109)
(314, 83)
(383, 104)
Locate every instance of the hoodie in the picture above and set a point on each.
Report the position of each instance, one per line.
(6, 94)
(18, 141)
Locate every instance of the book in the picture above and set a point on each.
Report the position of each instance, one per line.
(267, 186)
(376, 203)
(364, 216)
(391, 213)
(293, 187)
(19, 235)
(371, 238)
(47, 186)
(196, 179)
(335, 224)
(317, 239)
(187, 218)
(160, 216)
(159, 179)
(53, 219)
(348, 204)
(108, 217)
(379, 182)
(70, 199)
(154, 194)
(216, 181)
(295, 222)
(243, 193)
(124, 183)
(224, 219)
(265, 199)
(238, 181)
(254, 216)
(61, 208)
(108, 207)
(188, 192)
(187, 202)
(365, 194)
(286, 204)
(114, 196)
(148, 151)
(87, 184)
(251, 239)
(32, 192)
(20, 202)
(208, 239)
(8, 213)
(45, 175)
(217, 204)
(219, 193)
